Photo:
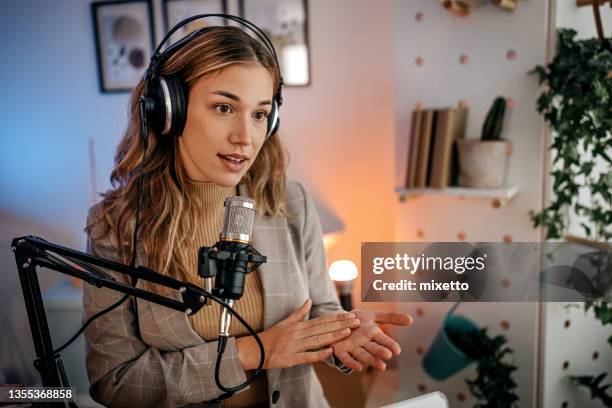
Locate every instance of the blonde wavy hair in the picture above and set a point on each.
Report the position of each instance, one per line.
(168, 213)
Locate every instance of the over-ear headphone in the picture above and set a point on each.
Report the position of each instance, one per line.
(163, 104)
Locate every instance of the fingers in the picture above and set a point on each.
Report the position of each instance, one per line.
(312, 356)
(349, 361)
(368, 359)
(312, 330)
(328, 318)
(387, 342)
(398, 319)
(377, 350)
(300, 313)
(320, 340)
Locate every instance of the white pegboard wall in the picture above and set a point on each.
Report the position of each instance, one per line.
(575, 344)
(444, 60)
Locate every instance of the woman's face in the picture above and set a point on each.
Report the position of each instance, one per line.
(226, 123)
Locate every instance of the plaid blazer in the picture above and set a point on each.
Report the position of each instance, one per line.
(154, 357)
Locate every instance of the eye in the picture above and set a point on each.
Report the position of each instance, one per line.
(223, 108)
(260, 115)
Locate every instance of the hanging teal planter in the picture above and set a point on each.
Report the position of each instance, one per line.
(444, 358)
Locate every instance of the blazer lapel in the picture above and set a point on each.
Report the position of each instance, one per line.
(268, 237)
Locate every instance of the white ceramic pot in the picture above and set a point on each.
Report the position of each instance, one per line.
(482, 163)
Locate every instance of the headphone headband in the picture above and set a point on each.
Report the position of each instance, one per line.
(159, 57)
(164, 101)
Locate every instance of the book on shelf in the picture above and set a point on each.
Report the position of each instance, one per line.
(413, 153)
(450, 126)
(433, 157)
(424, 149)
(440, 166)
(461, 118)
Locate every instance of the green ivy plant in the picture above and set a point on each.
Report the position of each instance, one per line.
(493, 386)
(577, 103)
(592, 383)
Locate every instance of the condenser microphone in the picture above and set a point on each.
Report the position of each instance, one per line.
(233, 254)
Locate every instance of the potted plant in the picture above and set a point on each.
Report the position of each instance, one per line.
(482, 163)
(459, 343)
(577, 104)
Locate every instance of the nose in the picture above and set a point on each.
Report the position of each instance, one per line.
(242, 131)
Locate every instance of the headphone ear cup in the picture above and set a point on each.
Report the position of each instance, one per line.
(167, 106)
(178, 106)
(273, 119)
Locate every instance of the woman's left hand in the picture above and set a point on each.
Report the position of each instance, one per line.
(369, 345)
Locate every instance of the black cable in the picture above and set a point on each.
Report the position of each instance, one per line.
(229, 391)
(91, 319)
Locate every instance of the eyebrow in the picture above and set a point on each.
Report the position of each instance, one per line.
(237, 98)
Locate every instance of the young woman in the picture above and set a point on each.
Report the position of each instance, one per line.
(146, 355)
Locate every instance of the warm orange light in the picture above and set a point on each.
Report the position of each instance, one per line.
(343, 270)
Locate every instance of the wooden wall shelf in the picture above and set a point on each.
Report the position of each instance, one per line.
(502, 194)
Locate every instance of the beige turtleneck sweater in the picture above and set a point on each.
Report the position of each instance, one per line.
(249, 306)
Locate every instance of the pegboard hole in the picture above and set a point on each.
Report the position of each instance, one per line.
(565, 365)
(419, 16)
(567, 323)
(421, 387)
(595, 355)
(420, 312)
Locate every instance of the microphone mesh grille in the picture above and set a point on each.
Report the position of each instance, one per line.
(238, 216)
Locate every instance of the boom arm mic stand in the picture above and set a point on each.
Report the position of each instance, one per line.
(31, 252)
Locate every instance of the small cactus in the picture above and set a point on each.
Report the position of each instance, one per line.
(491, 130)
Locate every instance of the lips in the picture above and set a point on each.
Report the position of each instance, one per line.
(234, 158)
(233, 162)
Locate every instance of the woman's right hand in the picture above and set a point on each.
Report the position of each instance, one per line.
(287, 343)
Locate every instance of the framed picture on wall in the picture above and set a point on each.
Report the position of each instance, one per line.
(286, 23)
(177, 10)
(123, 33)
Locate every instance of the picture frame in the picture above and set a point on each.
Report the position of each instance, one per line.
(175, 11)
(124, 41)
(285, 22)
